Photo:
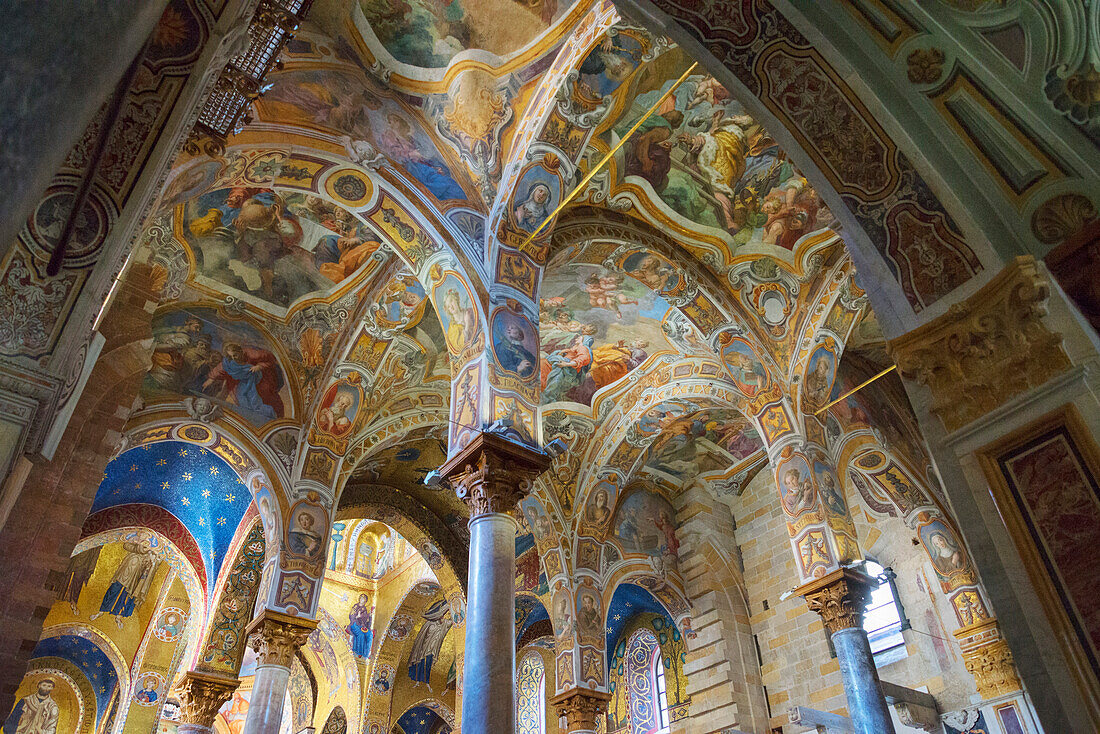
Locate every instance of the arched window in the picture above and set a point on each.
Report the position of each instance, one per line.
(531, 695)
(645, 680)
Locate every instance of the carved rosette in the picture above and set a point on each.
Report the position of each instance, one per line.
(276, 637)
(581, 707)
(987, 349)
(492, 474)
(839, 597)
(201, 695)
(988, 659)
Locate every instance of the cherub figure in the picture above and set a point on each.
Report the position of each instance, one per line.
(603, 292)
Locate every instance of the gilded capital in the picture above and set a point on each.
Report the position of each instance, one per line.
(986, 350)
(493, 474)
(987, 658)
(276, 637)
(581, 707)
(839, 597)
(201, 695)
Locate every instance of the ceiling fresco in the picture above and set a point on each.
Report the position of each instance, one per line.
(429, 33)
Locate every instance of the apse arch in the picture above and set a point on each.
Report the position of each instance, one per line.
(90, 654)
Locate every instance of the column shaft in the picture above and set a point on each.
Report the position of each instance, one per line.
(265, 705)
(488, 700)
(840, 598)
(866, 704)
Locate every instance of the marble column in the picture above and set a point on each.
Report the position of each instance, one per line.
(491, 474)
(201, 695)
(840, 598)
(275, 637)
(581, 708)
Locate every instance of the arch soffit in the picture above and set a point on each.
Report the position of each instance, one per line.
(262, 473)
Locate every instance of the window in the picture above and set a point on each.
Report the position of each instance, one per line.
(645, 680)
(531, 695)
(661, 703)
(884, 619)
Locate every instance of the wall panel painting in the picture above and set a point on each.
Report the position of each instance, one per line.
(1047, 487)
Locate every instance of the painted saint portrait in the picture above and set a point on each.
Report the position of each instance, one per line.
(305, 538)
(832, 495)
(198, 352)
(820, 373)
(598, 510)
(339, 408)
(537, 194)
(456, 312)
(944, 549)
(796, 485)
(589, 615)
(562, 609)
(514, 344)
(147, 694)
(748, 372)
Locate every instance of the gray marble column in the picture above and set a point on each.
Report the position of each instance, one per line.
(840, 598)
(491, 474)
(866, 704)
(56, 70)
(488, 696)
(275, 638)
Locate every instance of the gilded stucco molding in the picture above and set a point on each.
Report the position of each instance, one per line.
(275, 637)
(987, 658)
(201, 695)
(987, 349)
(839, 597)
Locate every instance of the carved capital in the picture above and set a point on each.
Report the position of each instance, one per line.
(492, 474)
(987, 349)
(276, 637)
(839, 597)
(987, 658)
(581, 707)
(201, 695)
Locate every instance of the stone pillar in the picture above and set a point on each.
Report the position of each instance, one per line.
(491, 474)
(201, 696)
(840, 598)
(275, 637)
(988, 659)
(581, 708)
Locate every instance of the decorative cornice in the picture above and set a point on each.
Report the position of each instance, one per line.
(201, 695)
(987, 658)
(492, 474)
(581, 707)
(987, 349)
(275, 637)
(839, 597)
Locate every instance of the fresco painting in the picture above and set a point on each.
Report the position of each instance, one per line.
(352, 105)
(197, 352)
(714, 165)
(596, 326)
(828, 485)
(610, 62)
(429, 34)
(745, 367)
(706, 441)
(339, 408)
(272, 247)
(820, 376)
(796, 485)
(645, 523)
(947, 553)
